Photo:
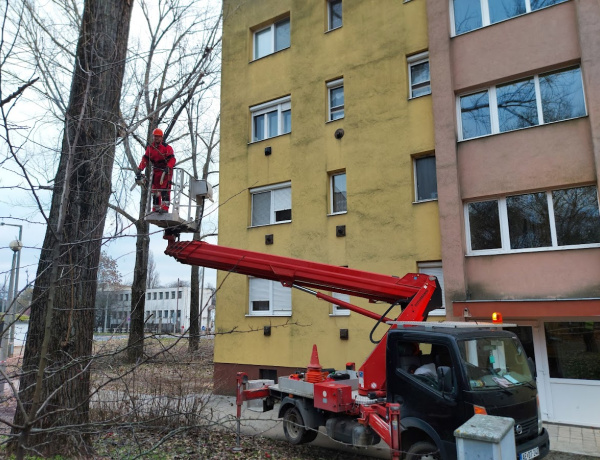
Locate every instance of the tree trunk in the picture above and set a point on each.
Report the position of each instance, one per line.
(195, 307)
(54, 387)
(135, 344)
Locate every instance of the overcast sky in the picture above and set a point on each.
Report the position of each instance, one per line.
(17, 207)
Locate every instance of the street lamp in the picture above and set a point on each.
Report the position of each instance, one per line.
(9, 315)
(13, 290)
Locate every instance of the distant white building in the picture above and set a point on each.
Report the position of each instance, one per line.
(167, 309)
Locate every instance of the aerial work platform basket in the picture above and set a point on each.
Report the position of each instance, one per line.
(187, 194)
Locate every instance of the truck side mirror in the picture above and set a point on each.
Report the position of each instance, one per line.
(531, 365)
(444, 374)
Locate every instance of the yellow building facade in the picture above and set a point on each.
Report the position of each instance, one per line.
(327, 148)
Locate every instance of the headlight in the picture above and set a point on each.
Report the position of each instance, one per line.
(540, 425)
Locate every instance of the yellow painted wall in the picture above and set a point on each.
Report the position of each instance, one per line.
(386, 232)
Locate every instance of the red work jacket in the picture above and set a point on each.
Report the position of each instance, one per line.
(160, 156)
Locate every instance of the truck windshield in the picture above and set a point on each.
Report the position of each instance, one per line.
(498, 362)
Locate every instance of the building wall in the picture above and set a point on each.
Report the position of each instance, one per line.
(385, 231)
(552, 293)
(552, 156)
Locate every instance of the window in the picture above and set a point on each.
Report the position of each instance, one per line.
(334, 12)
(121, 297)
(435, 269)
(336, 309)
(272, 204)
(154, 295)
(172, 294)
(494, 362)
(418, 75)
(166, 314)
(553, 219)
(473, 14)
(272, 38)
(160, 295)
(179, 294)
(269, 298)
(335, 91)
(425, 179)
(425, 364)
(338, 195)
(550, 97)
(267, 374)
(160, 313)
(126, 297)
(271, 119)
(573, 350)
(149, 296)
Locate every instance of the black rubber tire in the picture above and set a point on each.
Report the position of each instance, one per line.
(423, 450)
(294, 429)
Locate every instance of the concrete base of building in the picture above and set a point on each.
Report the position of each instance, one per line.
(224, 379)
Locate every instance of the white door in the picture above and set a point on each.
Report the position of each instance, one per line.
(569, 381)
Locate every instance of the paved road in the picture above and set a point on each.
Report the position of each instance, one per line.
(554, 455)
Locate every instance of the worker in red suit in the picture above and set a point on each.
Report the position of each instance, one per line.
(162, 158)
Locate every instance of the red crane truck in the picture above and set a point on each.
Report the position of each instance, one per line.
(422, 380)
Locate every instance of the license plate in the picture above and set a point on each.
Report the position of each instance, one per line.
(530, 454)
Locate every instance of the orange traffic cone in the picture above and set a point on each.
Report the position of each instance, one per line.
(314, 371)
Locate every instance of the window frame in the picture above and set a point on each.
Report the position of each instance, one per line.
(505, 229)
(485, 15)
(336, 310)
(415, 176)
(280, 105)
(493, 105)
(272, 28)
(412, 61)
(275, 289)
(424, 357)
(435, 268)
(264, 189)
(331, 193)
(330, 4)
(331, 110)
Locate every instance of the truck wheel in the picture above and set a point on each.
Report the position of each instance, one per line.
(294, 429)
(423, 450)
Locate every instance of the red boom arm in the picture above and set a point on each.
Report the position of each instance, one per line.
(420, 291)
(299, 272)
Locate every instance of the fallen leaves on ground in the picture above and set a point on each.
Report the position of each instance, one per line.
(208, 445)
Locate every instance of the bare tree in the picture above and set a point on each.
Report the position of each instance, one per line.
(109, 281)
(153, 278)
(201, 169)
(54, 386)
(179, 65)
(53, 406)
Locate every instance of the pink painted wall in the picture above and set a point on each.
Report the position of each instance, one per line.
(539, 158)
(536, 158)
(517, 47)
(535, 275)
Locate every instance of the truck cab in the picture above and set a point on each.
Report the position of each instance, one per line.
(442, 374)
